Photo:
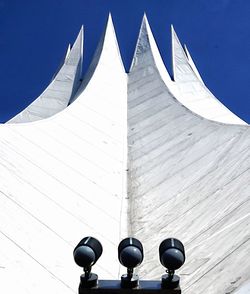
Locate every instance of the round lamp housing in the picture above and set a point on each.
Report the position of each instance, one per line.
(130, 252)
(87, 252)
(172, 253)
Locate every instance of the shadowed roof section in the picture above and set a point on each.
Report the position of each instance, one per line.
(57, 95)
(191, 91)
(126, 158)
(188, 178)
(192, 64)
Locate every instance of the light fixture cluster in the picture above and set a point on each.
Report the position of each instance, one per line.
(130, 255)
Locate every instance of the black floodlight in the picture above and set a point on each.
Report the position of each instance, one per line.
(86, 254)
(172, 257)
(130, 255)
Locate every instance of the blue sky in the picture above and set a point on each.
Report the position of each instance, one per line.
(34, 36)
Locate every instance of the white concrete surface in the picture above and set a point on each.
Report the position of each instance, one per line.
(125, 158)
(63, 178)
(189, 179)
(58, 94)
(191, 91)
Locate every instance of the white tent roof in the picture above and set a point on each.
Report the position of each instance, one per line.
(57, 95)
(190, 90)
(188, 178)
(126, 158)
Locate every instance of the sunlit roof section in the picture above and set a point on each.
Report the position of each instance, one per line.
(125, 158)
(192, 92)
(64, 178)
(192, 64)
(57, 95)
(188, 179)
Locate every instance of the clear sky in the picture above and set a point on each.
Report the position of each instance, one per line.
(34, 35)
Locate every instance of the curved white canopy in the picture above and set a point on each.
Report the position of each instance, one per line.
(126, 158)
(190, 90)
(188, 178)
(57, 95)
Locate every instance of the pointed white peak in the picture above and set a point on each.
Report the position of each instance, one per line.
(110, 43)
(182, 70)
(106, 53)
(142, 45)
(67, 52)
(190, 89)
(146, 49)
(57, 95)
(75, 55)
(192, 64)
(75, 59)
(62, 62)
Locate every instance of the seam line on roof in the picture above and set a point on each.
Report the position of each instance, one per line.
(224, 258)
(61, 207)
(62, 162)
(162, 181)
(65, 185)
(35, 260)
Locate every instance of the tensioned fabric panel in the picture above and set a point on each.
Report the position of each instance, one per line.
(58, 94)
(125, 158)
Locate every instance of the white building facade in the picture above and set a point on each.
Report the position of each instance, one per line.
(117, 155)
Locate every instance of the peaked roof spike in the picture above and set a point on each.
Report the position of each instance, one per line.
(186, 51)
(178, 55)
(67, 52)
(109, 23)
(145, 18)
(67, 78)
(145, 23)
(142, 42)
(174, 36)
(110, 17)
(181, 59)
(146, 46)
(77, 47)
(192, 64)
(107, 40)
(190, 89)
